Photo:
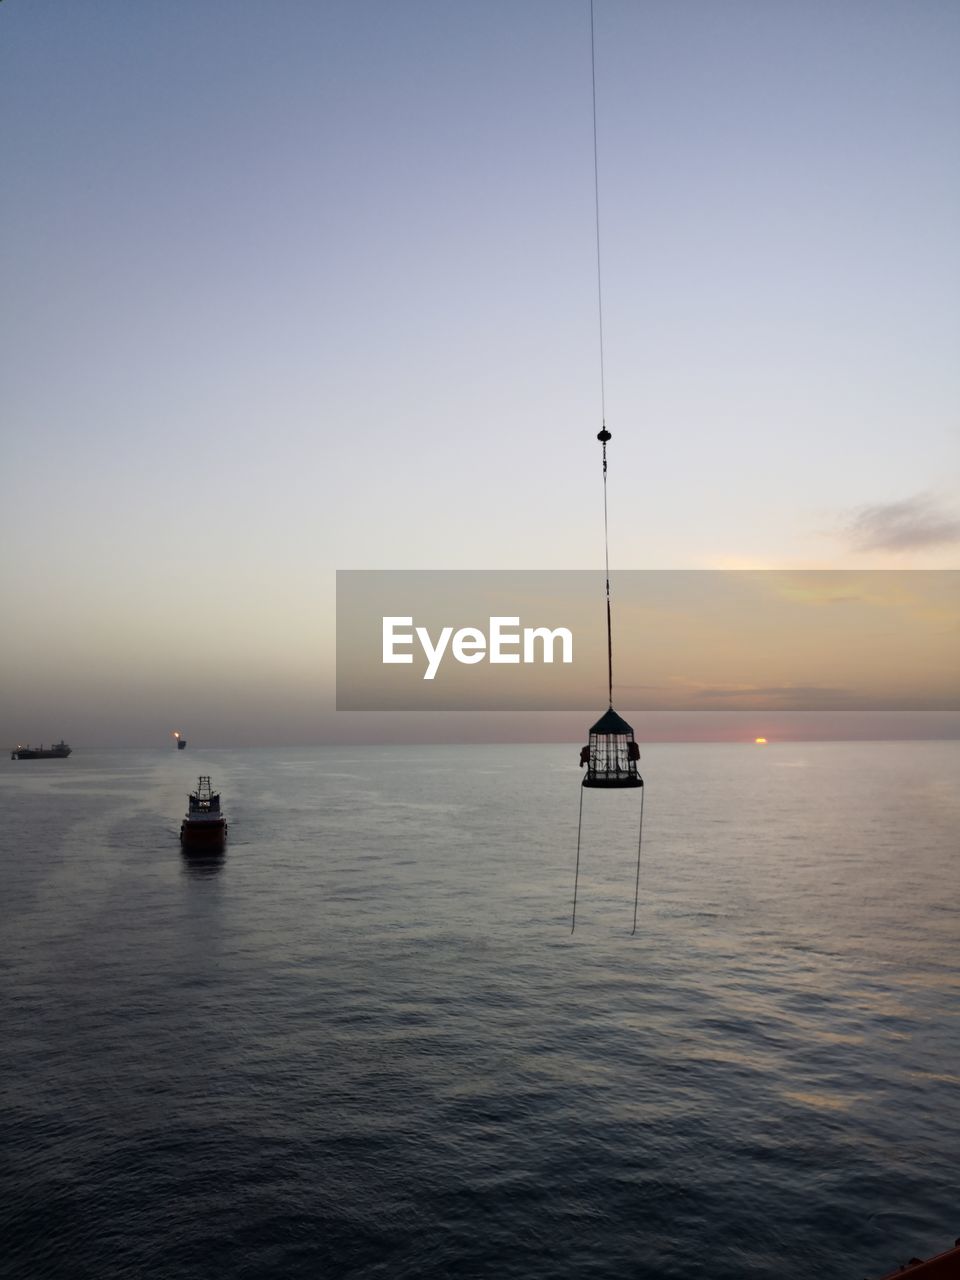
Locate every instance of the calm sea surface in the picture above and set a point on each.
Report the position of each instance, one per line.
(364, 1043)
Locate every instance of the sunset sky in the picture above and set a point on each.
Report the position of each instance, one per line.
(311, 286)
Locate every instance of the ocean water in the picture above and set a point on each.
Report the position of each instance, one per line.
(364, 1043)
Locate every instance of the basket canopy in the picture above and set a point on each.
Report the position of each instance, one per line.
(610, 722)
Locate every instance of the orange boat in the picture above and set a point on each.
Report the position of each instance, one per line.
(943, 1266)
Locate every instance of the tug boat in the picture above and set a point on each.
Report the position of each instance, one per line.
(204, 828)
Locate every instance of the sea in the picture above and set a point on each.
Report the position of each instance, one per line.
(365, 1043)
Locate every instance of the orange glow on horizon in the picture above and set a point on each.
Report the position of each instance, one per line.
(760, 742)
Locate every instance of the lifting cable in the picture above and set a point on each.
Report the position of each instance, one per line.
(604, 434)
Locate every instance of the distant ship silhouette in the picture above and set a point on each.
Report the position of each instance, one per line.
(59, 751)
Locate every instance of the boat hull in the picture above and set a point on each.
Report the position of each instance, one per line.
(203, 837)
(945, 1266)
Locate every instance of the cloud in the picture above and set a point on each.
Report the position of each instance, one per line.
(910, 525)
(792, 691)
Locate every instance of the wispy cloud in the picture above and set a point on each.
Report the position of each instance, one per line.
(793, 691)
(911, 525)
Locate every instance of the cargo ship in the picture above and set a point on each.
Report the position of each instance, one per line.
(204, 828)
(59, 751)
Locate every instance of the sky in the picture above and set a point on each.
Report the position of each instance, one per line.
(312, 286)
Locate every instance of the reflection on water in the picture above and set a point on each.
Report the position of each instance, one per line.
(201, 865)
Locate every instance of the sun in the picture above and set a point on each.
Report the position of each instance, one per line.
(760, 742)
